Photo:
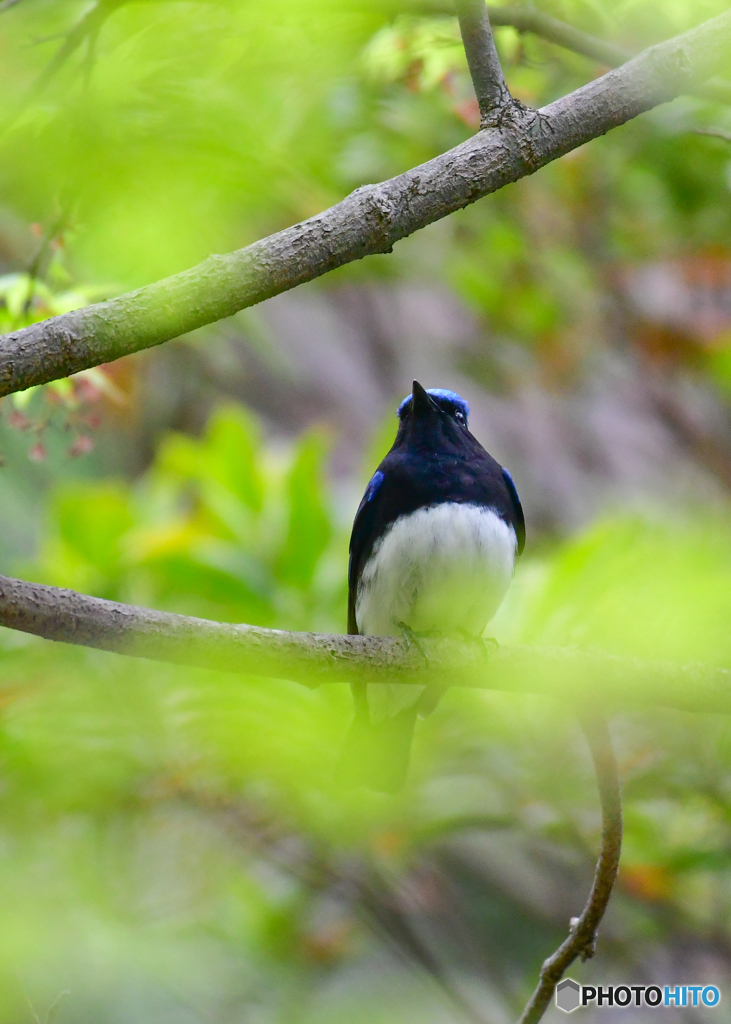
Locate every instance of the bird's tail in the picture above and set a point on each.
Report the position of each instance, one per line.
(377, 755)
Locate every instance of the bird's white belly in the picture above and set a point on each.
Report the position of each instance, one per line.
(443, 569)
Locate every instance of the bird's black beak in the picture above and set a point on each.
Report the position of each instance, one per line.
(421, 402)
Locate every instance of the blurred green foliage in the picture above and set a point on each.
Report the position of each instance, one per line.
(221, 526)
(177, 835)
(24, 300)
(650, 587)
(179, 130)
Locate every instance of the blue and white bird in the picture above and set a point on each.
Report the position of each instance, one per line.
(432, 551)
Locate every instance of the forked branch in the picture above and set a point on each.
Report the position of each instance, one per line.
(531, 21)
(527, 20)
(85, 30)
(491, 90)
(582, 937)
(369, 221)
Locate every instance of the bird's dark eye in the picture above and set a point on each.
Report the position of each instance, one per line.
(459, 416)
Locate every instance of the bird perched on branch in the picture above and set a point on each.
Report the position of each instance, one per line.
(432, 552)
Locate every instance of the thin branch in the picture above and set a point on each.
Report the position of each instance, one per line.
(313, 659)
(383, 911)
(371, 220)
(491, 91)
(715, 133)
(36, 264)
(86, 28)
(582, 937)
(372, 894)
(528, 20)
(7, 4)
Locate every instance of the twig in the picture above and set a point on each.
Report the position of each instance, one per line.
(51, 1008)
(715, 133)
(371, 220)
(314, 659)
(529, 20)
(35, 265)
(582, 937)
(90, 55)
(526, 19)
(7, 4)
(87, 27)
(380, 906)
(375, 898)
(491, 91)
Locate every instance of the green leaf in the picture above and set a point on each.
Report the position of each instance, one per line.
(310, 528)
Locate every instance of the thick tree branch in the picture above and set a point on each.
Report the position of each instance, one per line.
(371, 220)
(316, 658)
(582, 937)
(491, 91)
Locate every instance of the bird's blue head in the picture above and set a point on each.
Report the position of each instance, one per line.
(422, 401)
(434, 421)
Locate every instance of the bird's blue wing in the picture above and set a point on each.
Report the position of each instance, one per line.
(359, 538)
(517, 509)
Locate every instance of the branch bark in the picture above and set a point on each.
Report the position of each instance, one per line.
(491, 90)
(582, 938)
(529, 20)
(313, 659)
(371, 220)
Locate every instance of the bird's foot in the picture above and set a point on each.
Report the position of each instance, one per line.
(412, 640)
(485, 643)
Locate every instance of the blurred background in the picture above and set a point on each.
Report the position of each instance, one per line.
(173, 847)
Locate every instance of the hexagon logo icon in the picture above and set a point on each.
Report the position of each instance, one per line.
(568, 995)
